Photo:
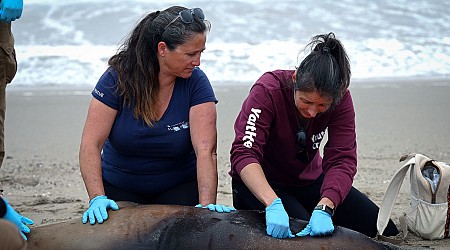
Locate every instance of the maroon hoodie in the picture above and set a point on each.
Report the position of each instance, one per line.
(265, 133)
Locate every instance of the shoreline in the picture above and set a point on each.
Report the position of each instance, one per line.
(394, 82)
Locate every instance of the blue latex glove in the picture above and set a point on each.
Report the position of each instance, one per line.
(217, 208)
(320, 224)
(277, 220)
(11, 10)
(97, 209)
(17, 219)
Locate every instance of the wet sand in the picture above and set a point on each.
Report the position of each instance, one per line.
(41, 174)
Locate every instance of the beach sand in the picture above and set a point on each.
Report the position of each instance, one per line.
(41, 174)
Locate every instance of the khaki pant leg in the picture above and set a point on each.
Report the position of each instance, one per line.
(10, 237)
(2, 123)
(8, 69)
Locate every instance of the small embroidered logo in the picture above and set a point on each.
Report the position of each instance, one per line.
(178, 126)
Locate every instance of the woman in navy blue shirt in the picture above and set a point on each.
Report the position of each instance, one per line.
(150, 135)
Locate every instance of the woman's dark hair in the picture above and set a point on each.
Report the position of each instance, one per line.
(137, 63)
(326, 69)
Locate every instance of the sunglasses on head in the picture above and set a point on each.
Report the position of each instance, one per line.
(187, 16)
(300, 144)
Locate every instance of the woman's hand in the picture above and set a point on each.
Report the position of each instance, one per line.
(217, 208)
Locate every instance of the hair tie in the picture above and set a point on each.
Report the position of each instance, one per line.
(157, 12)
(325, 49)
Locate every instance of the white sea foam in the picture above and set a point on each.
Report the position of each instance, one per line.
(68, 42)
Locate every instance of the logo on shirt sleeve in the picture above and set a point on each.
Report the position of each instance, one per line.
(97, 92)
(250, 129)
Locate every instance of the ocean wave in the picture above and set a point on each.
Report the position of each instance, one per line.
(69, 42)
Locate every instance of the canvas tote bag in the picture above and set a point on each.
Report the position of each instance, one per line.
(429, 213)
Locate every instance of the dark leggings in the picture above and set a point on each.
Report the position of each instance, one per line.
(183, 194)
(356, 212)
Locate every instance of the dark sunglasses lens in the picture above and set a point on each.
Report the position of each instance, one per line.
(302, 154)
(186, 16)
(199, 13)
(301, 138)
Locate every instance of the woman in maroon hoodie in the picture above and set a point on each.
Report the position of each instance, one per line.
(275, 160)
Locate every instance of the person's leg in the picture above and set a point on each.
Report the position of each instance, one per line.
(2, 119)
(299, 202)
(359, 213)
(243, 198)
(291, 204)
(185, 194)
(10, 237)
(117, 194)
(8, 68)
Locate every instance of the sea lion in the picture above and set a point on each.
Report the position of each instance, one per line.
(182, 227)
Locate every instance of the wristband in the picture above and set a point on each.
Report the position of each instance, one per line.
(325, 208)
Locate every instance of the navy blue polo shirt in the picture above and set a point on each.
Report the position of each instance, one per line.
(144, 159)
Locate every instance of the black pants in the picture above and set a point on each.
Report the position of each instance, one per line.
(356, 212)
(184, 194)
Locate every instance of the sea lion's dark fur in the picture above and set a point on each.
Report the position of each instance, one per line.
(182, 227)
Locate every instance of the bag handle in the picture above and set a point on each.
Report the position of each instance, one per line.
(391, 194)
